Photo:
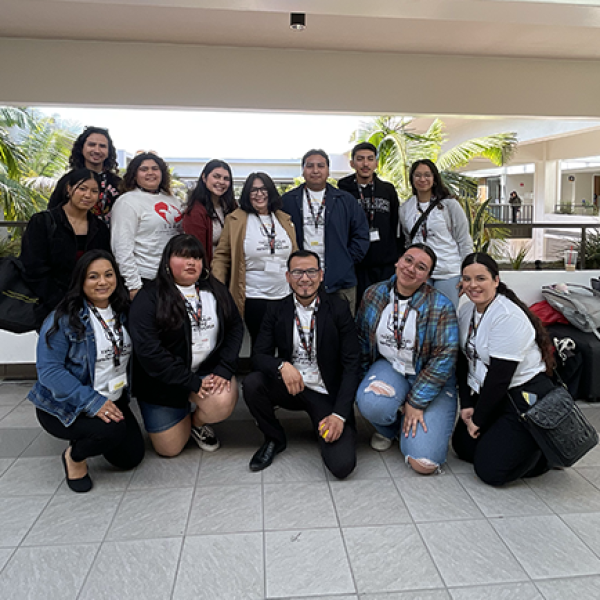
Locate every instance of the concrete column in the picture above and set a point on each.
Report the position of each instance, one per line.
(546, 190)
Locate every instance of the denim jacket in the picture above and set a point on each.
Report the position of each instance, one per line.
(66, 368)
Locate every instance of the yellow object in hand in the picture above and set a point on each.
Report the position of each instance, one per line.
(325, 434)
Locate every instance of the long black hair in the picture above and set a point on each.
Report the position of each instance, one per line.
(274, 199)
(170, 307)
(74, 179)
(201, 195)
(439, 190)
(542, 338)
(75, 298)
(76, 160)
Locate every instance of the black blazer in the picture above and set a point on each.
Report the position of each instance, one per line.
(337, 347)
(162, 360)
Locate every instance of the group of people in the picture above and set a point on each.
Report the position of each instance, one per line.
(147, 297)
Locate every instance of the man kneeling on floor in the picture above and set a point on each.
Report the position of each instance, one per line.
(316, 368)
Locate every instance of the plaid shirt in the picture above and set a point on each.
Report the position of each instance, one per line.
(436, 348)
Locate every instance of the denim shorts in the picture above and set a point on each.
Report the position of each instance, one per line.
(160, 418)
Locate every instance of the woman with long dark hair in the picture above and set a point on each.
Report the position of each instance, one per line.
(187, 335)
(55, 239)
(144, 219)
(81, 394)
(252, 254)
(442, 225)
(208, 204)
(506, 358)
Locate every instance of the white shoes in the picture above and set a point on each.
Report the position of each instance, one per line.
(380, 442)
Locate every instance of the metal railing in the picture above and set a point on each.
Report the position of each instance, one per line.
(504, 213)
(567, 208)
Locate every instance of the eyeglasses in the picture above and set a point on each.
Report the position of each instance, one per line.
(260, 190)
(423, 176)
(299, 273)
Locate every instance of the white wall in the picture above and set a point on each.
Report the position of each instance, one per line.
(577, 190)
(525, 191)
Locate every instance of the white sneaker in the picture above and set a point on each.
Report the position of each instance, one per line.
(205, 438)
(380, 442)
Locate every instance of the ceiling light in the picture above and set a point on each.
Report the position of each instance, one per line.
(298, 21)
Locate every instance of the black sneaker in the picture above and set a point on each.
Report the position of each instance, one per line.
(205, 437)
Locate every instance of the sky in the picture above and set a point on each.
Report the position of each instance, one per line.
(203, 134)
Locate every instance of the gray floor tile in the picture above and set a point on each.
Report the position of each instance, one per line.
(5, 554)
(32, 476)
(328, 597)
(22, 416)
(591, 474)
(298, 506)
(4, 410)
(417, 595)
(591, 459)
(566, 492)
(14, 441)
(376, 554)
(578, 587)
(458, 466)
(156, 472)
(221, 566)
(12, 394)
(369, 466)
(546, 547)
(514, 500)
(45, 445)
(148, 514)
(296, 464)
(48, 572)
(17, 515)
(228, 466)
(146, 570)
(5, 463)
(470, 553)
(324, 564)
(398, 469)
(437, 499)
(509, 591)
(106, 478)
(586, 526)
(75, 518)
(226, 509)
(364, 503)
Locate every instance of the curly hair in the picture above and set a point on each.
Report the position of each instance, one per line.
(76, 160)
(129, 182)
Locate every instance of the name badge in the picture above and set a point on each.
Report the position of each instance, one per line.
(203, 343)
(399, 366)
(311, 375)
(272, 267)
(315, 243)
(114, 385)
(374, 235)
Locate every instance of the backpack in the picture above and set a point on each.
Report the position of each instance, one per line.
(579, 304)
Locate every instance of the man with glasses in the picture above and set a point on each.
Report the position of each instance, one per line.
(329, 222)
(306, 358)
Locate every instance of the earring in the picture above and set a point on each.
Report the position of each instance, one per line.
(167, 270)
(205, 274)
(67, 195)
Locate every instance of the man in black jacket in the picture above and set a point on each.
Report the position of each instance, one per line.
(316, 368)
(379, 200)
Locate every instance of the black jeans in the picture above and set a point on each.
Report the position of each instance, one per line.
(263, 393)
(120, 443)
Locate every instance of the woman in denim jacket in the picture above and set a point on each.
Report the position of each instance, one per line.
(82, 356)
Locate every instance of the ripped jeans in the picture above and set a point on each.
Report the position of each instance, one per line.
(382, 411)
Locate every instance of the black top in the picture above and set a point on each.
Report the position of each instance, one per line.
(162, 361)
(337, 347)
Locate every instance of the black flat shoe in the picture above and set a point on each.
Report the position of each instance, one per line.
(265, 454)
(82, 485)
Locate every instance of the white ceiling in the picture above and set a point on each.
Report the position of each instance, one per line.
(446, 27)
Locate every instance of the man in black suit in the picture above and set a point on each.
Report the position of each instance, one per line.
(316, 368)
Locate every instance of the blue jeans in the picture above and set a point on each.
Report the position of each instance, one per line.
(447, 287)
(382, 411)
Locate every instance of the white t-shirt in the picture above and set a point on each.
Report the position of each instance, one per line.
(503, 331)
(401, 359)
(314, 237)
(439, 238)
(309, 369)
(265, 272)
(204, 337)
(109, 380)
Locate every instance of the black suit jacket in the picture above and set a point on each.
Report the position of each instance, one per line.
(337, 347)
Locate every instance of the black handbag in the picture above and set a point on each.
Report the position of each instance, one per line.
(559, 427)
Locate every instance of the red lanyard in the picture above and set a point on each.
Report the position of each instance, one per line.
(316, 219)
(308, 346)
(195, 314)
(399, 329)
(117, 344)
(270, 236)
(370, 207)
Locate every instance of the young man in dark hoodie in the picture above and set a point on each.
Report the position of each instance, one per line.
(379, 200)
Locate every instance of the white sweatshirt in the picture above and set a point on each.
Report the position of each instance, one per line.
(141, 225)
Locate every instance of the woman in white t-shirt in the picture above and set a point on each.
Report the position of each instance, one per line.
(144, 219)
(505, 352)
(444, 228)
(81, 394)
(253, 250)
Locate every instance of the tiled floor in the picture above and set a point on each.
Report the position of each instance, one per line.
(203, 527)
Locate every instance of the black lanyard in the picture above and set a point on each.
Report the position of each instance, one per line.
(270, 236)
(218, 218)
(369, 207)
(399, 329)
(472, 335)
(308, 346)
(317, 218)
(196, 315)
(117, 344)
(424, 222)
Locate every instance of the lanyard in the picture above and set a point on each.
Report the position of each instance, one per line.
(369, 207)
(424, 223)
(399, 329)
(196, 315)
(218, 218)
(316, 219)
(270, 236)
(470, 349)
(308, 346)
(117, 344)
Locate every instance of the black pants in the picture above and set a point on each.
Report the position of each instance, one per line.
(254, 311)
(263, 393)
(505, 450)
(367, 276)
(120, 443)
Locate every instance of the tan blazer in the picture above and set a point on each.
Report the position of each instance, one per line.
(229, 262)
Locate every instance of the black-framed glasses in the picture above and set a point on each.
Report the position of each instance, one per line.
(260, 190)
(311, 273)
